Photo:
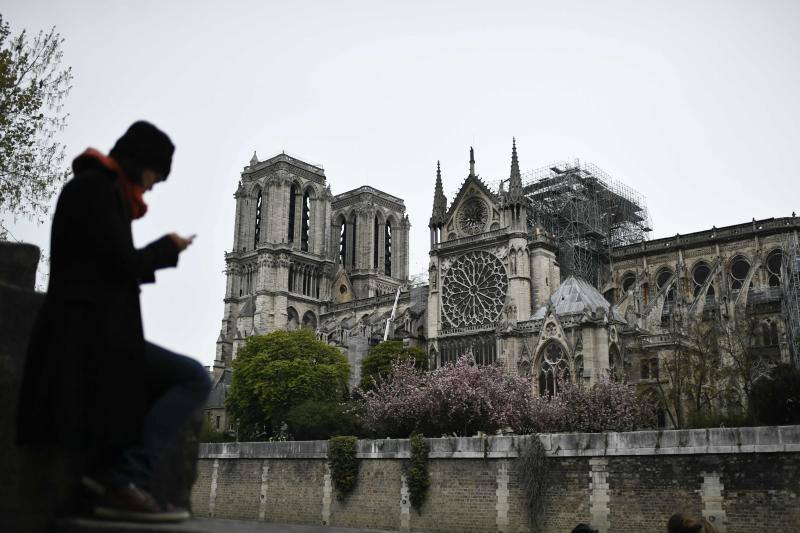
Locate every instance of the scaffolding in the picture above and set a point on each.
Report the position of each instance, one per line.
(587, 213)
(790, 286)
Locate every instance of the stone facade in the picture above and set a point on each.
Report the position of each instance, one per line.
(498, 289)
(744, 480)
(505, 283)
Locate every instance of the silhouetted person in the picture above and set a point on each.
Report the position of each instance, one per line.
(92, 382)
(680, 523)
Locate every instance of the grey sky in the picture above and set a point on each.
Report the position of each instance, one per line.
(694, 104)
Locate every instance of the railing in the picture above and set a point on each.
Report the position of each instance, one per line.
(657, 340)
(472, 238)
(466, 329)
(681, 241)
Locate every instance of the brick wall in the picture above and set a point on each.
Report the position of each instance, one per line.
(745, 480)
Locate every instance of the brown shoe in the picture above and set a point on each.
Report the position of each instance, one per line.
(130, 503)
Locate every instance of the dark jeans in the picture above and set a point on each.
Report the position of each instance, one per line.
(179, 386)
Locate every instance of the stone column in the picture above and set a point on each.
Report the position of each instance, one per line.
(519, 282)
(265, 212)
(350, 243)
(237, 222)
(364, 229)
(382, 247)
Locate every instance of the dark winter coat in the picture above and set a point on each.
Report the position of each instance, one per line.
(84, 385)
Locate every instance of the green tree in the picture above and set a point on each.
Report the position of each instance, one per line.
(33, 87)
(378, 362)
(276, 372)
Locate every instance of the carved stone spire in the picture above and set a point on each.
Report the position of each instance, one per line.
(515, 181)
(471, 161)
(254, 160)
(439, 200)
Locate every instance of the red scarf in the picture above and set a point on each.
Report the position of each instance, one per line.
(132, 191)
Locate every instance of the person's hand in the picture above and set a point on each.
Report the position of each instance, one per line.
(181, 243)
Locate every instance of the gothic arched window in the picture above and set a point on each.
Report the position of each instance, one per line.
(258, 219)
(662, 279)
(617, 367)
(387, 246)
(342, 242)
(309, 320)
(293, 319)
(700, 275)
(305, 221)
(292, 210)
(740, 267)
(627, 281)
(774, 260)
(553, 368)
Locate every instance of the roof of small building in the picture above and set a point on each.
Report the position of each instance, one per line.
(577, 296)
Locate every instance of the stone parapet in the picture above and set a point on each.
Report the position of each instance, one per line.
(764, 439)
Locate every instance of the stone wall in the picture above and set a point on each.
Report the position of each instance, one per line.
(743, 479)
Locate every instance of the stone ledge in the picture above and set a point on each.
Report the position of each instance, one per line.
(765, 439)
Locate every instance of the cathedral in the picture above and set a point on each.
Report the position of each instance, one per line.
(548, 272)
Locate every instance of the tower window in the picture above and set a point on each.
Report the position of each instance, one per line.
(292, 209)
(387, 243)
(306, 214)
(258, 219)
(342, 243)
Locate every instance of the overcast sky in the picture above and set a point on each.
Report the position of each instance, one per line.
(694, 104)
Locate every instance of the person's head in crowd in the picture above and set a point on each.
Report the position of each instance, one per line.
(680, 523)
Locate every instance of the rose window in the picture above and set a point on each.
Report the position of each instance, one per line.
(472, 216)
(474, 290)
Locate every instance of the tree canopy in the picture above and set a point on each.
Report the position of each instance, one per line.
(33, 86)
(274, 373)
(377, 365)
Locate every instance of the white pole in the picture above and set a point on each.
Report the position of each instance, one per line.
(391, 318)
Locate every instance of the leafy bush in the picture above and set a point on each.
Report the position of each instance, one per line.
(344, 464)
(418, 476)
(377, 365)
(314, 420)
(775, 399)
(276, 372)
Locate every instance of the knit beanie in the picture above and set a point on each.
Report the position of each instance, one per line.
(144, 146)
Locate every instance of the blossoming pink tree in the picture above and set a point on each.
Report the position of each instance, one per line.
(462, 398)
